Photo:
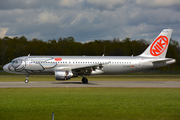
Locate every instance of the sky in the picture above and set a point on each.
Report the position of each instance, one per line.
(88, 20)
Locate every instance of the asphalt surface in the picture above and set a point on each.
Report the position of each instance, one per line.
(75, 84)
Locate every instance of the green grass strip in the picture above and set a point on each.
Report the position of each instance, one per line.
(89, 103)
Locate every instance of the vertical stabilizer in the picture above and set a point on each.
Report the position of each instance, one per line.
(158, 48)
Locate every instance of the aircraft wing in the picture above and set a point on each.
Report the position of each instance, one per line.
(84, 70)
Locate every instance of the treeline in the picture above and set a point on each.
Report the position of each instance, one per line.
(11, 48)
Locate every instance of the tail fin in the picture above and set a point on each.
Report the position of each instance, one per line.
(159, 46)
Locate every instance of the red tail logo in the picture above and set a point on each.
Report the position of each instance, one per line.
(159, 45)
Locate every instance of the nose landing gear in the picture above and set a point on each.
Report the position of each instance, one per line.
(27, 78)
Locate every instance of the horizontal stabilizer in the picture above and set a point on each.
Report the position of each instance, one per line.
(163, 62)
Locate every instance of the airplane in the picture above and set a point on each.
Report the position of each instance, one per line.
(67, 67)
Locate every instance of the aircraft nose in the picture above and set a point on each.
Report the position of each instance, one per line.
(5, 68)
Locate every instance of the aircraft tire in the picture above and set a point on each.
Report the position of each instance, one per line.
(26, 81)
(85, 80)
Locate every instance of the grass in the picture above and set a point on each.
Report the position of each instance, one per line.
(89, 103)
(20, 78)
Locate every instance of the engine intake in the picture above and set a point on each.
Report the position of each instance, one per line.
(63, 74)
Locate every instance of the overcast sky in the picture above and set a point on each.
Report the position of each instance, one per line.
(87, 20)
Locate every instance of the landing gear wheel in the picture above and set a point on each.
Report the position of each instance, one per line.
(27, 78)
(26, 81)
(85, 80)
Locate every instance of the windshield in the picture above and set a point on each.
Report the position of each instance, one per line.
(15, 61)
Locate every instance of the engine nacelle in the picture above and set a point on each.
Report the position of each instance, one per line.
(63, 74)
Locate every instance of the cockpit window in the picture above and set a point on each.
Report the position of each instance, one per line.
(16, 63)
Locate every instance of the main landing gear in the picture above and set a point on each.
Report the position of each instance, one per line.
(27, 78)
(85, 80)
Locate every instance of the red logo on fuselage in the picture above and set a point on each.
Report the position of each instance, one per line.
(159, 45)
(57, 59)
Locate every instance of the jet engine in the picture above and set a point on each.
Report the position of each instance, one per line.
(63, 74)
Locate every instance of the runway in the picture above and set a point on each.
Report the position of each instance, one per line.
(76, 84)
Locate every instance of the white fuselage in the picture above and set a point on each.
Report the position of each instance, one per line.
(104, 64)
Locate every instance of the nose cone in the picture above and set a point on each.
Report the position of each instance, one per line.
(5, 68)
